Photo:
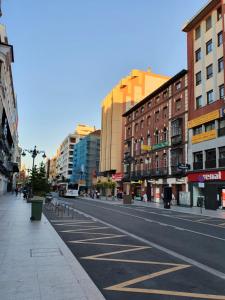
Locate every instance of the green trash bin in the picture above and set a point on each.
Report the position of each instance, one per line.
(36, 208)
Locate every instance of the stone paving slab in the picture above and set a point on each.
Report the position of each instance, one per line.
(34, 262)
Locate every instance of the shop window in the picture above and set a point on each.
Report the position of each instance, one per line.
(178, 104)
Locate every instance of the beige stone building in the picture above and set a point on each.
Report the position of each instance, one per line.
(130, 90)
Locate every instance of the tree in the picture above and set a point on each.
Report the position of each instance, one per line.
(39, 180)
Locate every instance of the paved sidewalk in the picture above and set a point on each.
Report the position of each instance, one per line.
(34, 262)
(219, 213)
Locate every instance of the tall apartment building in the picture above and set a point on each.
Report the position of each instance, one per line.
(9, 150)
(124, 95)
(205, 49)
(155, 142)
(66, 150)
(86, 160)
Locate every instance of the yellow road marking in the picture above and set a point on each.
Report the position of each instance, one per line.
(85, 229)
(75, 224)
(86, 241)
(221, 224)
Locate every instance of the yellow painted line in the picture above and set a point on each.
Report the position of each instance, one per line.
(87, 241)
(221, 224)
(85, 229)
(75, 224)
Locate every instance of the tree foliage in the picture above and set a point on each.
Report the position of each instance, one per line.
(39, 181)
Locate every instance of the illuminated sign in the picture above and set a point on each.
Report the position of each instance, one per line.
(161, 145)
(206, 176)
(117, 176)
(146, 147)
(204, 136)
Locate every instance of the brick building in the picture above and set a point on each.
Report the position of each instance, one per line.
(155, 142)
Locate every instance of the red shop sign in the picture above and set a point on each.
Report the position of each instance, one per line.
(206, 176)
(117, 176)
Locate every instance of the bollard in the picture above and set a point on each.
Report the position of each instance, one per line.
(68, 212)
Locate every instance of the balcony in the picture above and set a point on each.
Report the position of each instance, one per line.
(176, 171)
(209, 164)
(198, 165)
(159, 172)
(175, 140)
(221, 131)
(221, 162)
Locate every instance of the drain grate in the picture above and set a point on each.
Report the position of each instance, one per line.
(45, 252)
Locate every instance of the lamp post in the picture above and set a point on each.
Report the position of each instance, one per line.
(33, 152)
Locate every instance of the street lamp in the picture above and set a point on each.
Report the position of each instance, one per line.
(34, 152)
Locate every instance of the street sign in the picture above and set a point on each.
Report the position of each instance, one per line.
(183, 166)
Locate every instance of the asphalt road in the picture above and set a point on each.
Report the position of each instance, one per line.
(134, 252)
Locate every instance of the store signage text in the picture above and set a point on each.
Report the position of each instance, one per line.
(161, 145)
(209, 176)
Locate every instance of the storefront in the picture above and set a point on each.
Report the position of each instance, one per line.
(210, 185)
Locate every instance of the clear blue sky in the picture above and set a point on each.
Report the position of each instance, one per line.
(70, 53)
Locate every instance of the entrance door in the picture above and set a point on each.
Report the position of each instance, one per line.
(210, 196)
(149, 192)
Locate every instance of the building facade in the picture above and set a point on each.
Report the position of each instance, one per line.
(205, 49)
(155, 143)
(66, 150)
(9, 150)
(124, 95)
(86, 160)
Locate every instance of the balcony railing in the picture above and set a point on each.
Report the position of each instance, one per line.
(175, 140)
(159, 171)
(221, 162)
(176, 171)
(221, 131)
(198, 165)
(210, 164)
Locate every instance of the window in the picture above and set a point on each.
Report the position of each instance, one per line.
(198, 78)
(210, 97)
(197, 32)
(142, 109)
(165, 94)
(69, 172)
(165, 134)
(208, 46)
(220, 38)
(129, 118)
(210, 156)
(72, 140)
(157, 99)
(178, 85)
(142, 124)
(219, 13)
(220, 64)
(198, 156)
(148, 120)
(70, 152)
(197, 130)
(156, 116)
(221, 152)
(136, 127)
(157, 162)
(222, 123)
(71, 146)
(178, 104)
(199, 103)
(136, 113)
(148, 140)
(128, 131)
(209, 126)
(165, 112)
(208, 23)
(156, 136)
(176, 128)
(221, 91)
(198, 54)
(209, 71)
(149, 103)
(164, 160)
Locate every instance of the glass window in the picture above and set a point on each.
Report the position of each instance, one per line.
(148, 140)
(157, 116)
(220, 64)
(157, 99)
(219, 13)
(142, 109)
(222, 152)
(197, 32)
(157, 162)
(198, 157)
(222, 123)
(165, 112)
(210, 154)
(165, 94)
(209, 126)
(178, 104)
(142, 124)
(208, 46)
(198, 78)
(199, 103)
(136, 127)
(176, 128)
(197, 130)
(210, 97)
(149, 103)
(198, 54)
(164, 134)
(221, 91)
(208, 23)
(156, 137)
(178, 85)
(220, 38)
(209, 71)
(148, 120)
(164, 160)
